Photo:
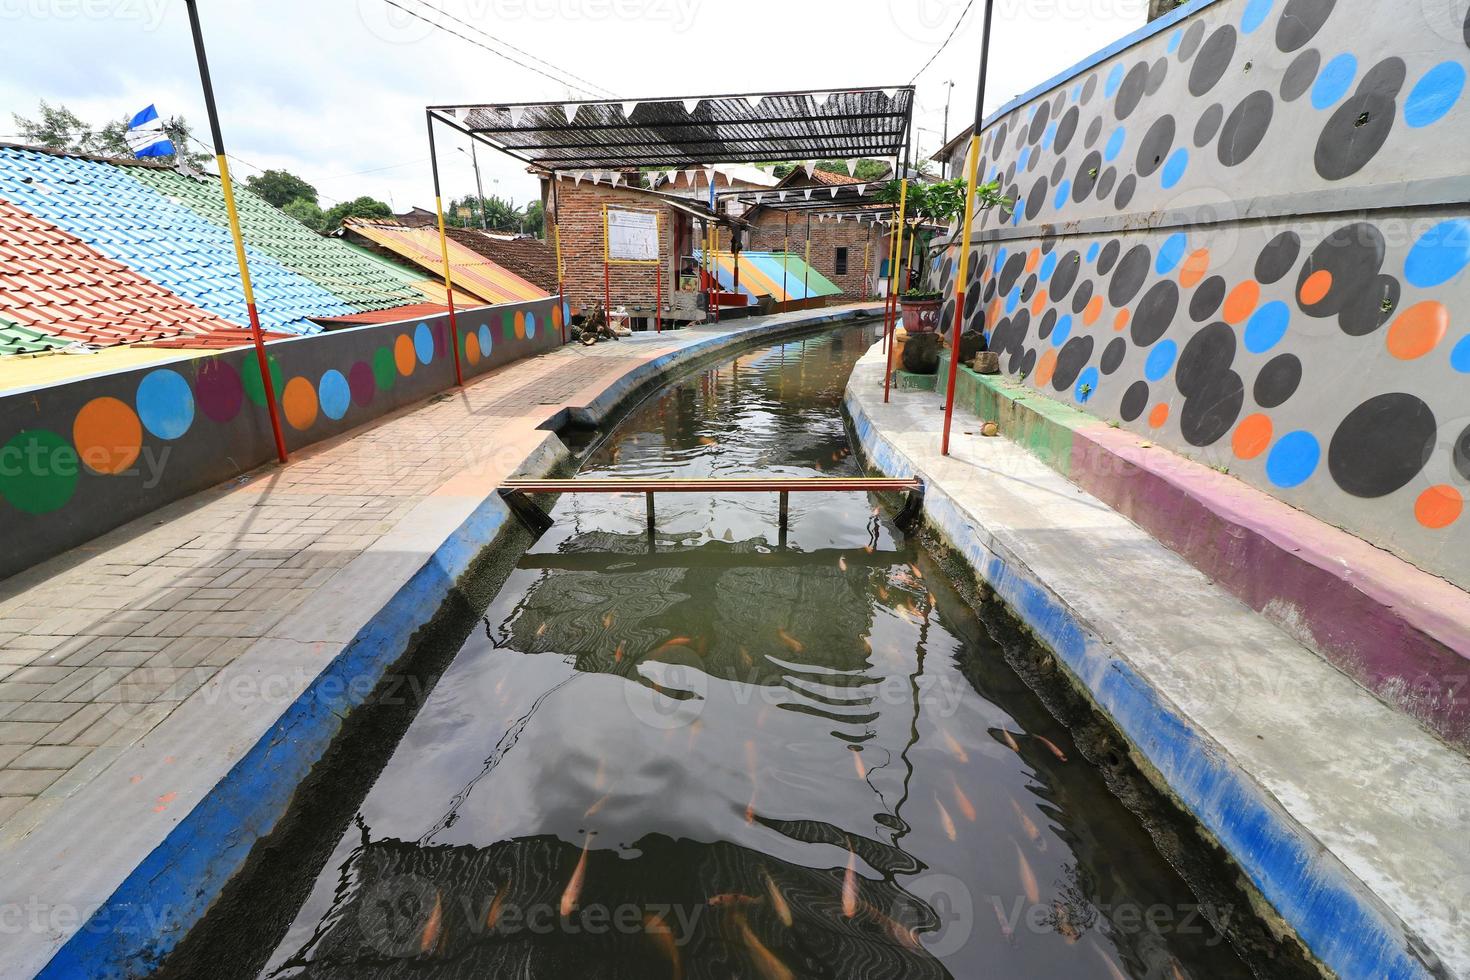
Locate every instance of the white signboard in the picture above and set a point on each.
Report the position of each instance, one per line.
(632, 236)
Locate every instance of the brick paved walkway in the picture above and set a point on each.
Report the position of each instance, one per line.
(99, 645)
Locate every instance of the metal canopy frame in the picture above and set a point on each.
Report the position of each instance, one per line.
(678, 132)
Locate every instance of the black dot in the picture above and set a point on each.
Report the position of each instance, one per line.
(1059, 172)
(1088, 88)
(1066, 129)
(1214, 58)
(1058, 102)
(1192, 37)
(1082, 296)
(1208, 124)
(1112, 356)
(1277, 258)
(998, 143)
(1048, 320)
(1094, 130)
(1086, 178)
(1039, 123)
(1048, 240)
(1135, 400)
(1105, 183)
(1278, 380)
(1156, 311)
(1207, 299)
(1382, 445)
(1212, 411)
(1157, 74)
(1037, 199)
(1011, 271)
(972, 300)
(1065, 275)
(990, 290)
(1028, 363)
(1074, 355)
(1300, 75)
(946, 315)
(1370, 306)
(1461, 452)
(1300, 21)
(1246, 127)
(1360, 126)
(1129, 276)
(1157, 143)
(1208, 355)
(1130, 93)
(1028, 289)
(1108, 256)
(1353, 256)
(1125, 192)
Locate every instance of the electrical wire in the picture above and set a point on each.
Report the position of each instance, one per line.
(940, 50)
(499, 54)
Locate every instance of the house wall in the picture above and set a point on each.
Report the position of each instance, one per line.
(81, 458)
(580, 207)
(1243, 232)
(768, 233)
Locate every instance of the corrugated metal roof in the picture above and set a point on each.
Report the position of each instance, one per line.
(130, 222)
(530, 258)
(760, 275)
(468, 269)
(416, 311)
(54, 282)
(16, 339)
(423, 288)
(326, 261)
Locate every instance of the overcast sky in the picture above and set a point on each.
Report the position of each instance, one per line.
(334, 90)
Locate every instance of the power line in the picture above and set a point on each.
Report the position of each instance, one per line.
(940, 50)
(499, 54)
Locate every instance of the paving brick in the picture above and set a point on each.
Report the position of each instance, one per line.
(77, 725)
(10, 805)
(52, 711)
(16, 782)
(51, 757)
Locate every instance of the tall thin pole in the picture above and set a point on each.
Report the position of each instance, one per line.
(479, 188)
(785, 254)
(267, 386)
(972, 175)
(444, 253)
(903, 199)
(807, 260)
(658, 274)
(561, 292)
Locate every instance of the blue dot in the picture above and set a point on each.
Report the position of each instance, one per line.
(1031, 113)
(423, 343)
(1266, 327)
(1000, 259)
(1174, 40)
(1440, 254)
(1021, 160)
(1048, 266)
(1460, 355)
(1170, 253)
(334, 394)
(1076, 91)
(1092, 252)
(566, 313)
(1334, 80)
(1254, 16)
(1061, 331)
(1086, 384)
(1293, 459)
(1013, 299)
(1016, 214)
(487, 340)
(1174, 168)
(165, 403)
(1064, 190)
(1049, 137)
(1115, 78)
(1435, 94)
(1115, 144)
(1161, 361)
(530, 324)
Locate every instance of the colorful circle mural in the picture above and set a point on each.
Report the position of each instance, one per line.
(38, 471)
(299, 402)
(334, 394)
(165, 403)
(108, 435)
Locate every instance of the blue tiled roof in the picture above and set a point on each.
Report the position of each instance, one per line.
(169, 243)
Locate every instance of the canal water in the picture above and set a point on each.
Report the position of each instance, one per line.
(718, 753)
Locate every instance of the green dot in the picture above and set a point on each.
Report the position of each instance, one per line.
(250, 379)
(508, 325)
(38, 471)
(385, 372)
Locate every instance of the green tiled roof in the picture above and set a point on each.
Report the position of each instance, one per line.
(328, 262)
(16, 339)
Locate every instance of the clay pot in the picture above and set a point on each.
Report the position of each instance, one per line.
(920, 316)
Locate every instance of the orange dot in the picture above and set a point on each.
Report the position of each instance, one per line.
(1418, 330)
(1033, 260)
(108, 435)
(1318, 285)
(1093, 311)
(1439, 507)
(993, 314)
(521, 324)
(1159, 415)
(299, 403)
(472, 348)
(403, 355)
(1038, 303)
(1242, 301)
(556, 316)
(1120, 322)
(1252, 436)
(1046, 367)
(1194, 268)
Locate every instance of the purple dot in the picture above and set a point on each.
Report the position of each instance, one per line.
(360, 381)
(218, 390)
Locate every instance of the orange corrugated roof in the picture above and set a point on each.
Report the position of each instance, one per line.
(413, 311)
(468, 269)
(53, 281)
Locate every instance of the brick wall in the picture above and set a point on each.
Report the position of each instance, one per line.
(769, 235)
(582, 246)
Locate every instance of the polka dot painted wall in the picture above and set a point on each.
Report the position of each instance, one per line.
(1199, 259)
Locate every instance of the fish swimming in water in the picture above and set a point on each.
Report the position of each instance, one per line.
(778, 901)
(1027, 824)
(857, 763)
(1010, 741)
(592, 810)
(963, 801)
(849, 886)
(663, 937)
(946, 820)
(795, 645)
(493, 916)
(767, 963)
(1052, 747)
(731, 899)
(574, 886)
(431, 938)
(955, 748)
(1028, 877)
(842, 563)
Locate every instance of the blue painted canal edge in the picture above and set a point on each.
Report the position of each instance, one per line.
(146, 916)
(1317, 898)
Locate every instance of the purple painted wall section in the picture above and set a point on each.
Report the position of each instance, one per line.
(1400, 632)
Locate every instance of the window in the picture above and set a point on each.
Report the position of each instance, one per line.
(842, 261)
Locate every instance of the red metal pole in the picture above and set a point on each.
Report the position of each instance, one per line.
(658, 298)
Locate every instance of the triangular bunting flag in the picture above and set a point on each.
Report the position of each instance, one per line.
(578, 177)
(834, 192)
(569, 109)
(759, 198)
(781, 195)
(628, 108)
(691, 104)
(821, 98)
(808, 193)
(852, 168)
(753, 100)
(890, 93)
(862, 189)
(516, 112)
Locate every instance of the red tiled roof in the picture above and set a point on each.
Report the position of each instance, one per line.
(800, 177)
(53, 281)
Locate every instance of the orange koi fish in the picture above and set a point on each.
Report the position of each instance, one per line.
(778, 901)
(618, 654)
(955, 748)
(541, 630)
(849, 886)
(1010, 741)
(1028, 877)
(730, 899)
(663, 937)
(592, 810)
(795, 645)
(915, 569)
(946, 820)
(574, 886)
(493, 916)
(430, 938)
(766, 962)
(857, 763)
(908, 937)
(1027, 824)
(842, 563)
(1052, 747)
(963, 801)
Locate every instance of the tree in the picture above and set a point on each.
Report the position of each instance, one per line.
(58, 128)
(307, 213)
(865, 170)
(535, 219)
(938, 202)
(280, 188)
(362, 207)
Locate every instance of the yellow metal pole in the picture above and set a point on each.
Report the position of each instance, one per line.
(972, 169)
(903, 201)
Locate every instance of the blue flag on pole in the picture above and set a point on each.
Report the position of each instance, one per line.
(146, 137)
